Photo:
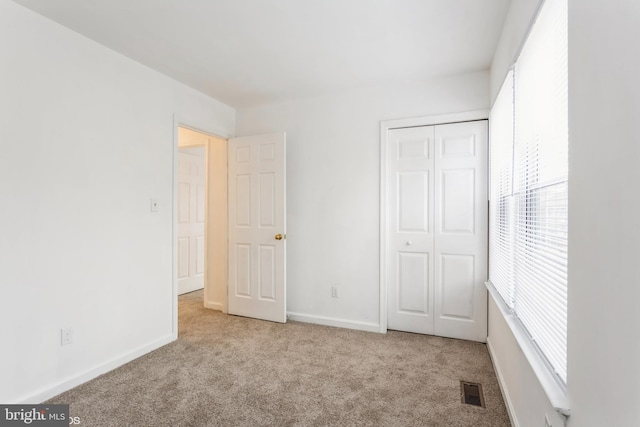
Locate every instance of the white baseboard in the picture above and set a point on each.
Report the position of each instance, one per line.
(188, 289)
(76, 380)
(331, 321)
(503, 387)
(213, 305)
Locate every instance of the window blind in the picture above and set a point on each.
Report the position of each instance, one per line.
(501, 259)
(529, 193)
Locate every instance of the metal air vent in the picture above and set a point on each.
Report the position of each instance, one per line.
(472, 393)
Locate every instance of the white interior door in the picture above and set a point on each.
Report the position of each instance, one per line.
(437, 230)
(257, 227)
(191, 219)
(410, 171)
(461, 233)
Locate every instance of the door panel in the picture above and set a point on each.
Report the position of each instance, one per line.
(413, 283)
(410, 224)
(267, 199)
(257, 271)
(191, 214)
(458, 200)
(437, 229)
(457, 286)
(242, 275)
(461, 230)
(243, 200)
(267, 272)
(183, 257)
(413, 202)
(200, 255)
(200, 202)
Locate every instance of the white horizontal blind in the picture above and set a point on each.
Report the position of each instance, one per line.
(501, 259)
(537, 220)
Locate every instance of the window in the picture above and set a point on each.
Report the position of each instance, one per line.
(529, 187)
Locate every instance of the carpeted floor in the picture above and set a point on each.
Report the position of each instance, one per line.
(233, 371)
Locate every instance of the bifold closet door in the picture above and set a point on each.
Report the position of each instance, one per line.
(410, 229)
(461, 232)
(437, 230)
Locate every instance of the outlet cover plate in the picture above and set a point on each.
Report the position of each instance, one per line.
(66, 336)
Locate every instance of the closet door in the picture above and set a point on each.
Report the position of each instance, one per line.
(437, 230)
(461, 230)
(410, 229)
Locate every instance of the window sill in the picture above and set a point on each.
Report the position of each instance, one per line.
(556, 392)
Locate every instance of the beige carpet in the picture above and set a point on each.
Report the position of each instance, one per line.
(232, 371)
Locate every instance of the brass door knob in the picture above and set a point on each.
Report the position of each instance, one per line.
(278, 236)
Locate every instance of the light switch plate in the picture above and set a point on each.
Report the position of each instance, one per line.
(155, 205)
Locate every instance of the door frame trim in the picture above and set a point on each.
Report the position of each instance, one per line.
(198, 126)
(385, 126)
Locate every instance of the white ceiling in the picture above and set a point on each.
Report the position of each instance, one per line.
(251, 52)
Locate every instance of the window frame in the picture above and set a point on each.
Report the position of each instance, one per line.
(509, 204)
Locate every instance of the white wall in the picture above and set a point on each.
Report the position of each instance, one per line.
(516, 27)
(604, 224)
(333, 184)
(524, 396)
(86, 139)
(604, 231)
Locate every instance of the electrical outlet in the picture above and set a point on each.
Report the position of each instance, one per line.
(334, 292)
(66, 336)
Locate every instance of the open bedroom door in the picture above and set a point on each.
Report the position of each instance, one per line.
(257, 227)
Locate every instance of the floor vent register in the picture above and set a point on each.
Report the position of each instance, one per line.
(472, 393)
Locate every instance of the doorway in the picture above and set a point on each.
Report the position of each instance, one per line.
(434, 226)
(245, 192)
(201, 216)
